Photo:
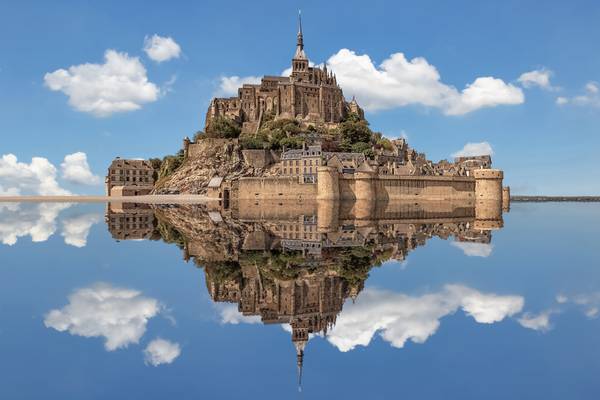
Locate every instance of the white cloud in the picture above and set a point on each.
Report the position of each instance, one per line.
(161, 351)
(590, 302)
(591, 87)
(539, 322)
(37, 177)
(590, 97)
(230, 315)
(119, 315)
(474, 149)
(230, 84)
(118, 85)
(539, 77)
(76, 169)
(473, 249)
(399, 317)
(75, 230)
(160, 48)
(400, 82)
(35, 220)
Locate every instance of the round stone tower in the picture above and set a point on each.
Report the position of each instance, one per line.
(328, 186)
(488, 184)
(364, 187)
(488, 198)
(506, 199)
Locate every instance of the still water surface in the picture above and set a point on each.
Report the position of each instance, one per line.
(126, 301)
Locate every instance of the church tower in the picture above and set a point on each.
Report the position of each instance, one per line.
(300, 61)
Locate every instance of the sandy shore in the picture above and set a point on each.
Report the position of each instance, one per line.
(156, 199)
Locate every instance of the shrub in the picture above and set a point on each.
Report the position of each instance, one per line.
(222, 127)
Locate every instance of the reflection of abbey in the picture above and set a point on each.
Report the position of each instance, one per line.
(309, 94)
(295, 262)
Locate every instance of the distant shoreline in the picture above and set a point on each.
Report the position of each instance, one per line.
(542, 199)
(156, 199)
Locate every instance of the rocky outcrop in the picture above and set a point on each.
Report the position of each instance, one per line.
(212, 157)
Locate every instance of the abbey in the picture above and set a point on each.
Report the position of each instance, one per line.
(311, 95)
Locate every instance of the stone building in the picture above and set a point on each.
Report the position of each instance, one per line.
(129, 177)
(303, 163)
(310, 94)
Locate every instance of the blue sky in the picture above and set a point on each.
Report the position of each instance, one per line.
(543, 147)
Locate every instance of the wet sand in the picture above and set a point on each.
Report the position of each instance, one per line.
(156, 199)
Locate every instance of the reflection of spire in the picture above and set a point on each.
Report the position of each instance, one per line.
(300, 360)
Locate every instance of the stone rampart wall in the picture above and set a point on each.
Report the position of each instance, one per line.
(273, 188)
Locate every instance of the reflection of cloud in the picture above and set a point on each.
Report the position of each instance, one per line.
(539, 322)
(589, 301)
(118, 314)
(161, 351)
(75, 230)
(399, 317)
(230, 315)
(473, 249)
(35, 220)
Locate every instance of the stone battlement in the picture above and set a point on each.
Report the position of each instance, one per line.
(488, 174)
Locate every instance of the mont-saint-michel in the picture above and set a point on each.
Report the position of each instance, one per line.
(296, 137)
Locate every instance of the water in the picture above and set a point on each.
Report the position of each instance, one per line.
(413, 307)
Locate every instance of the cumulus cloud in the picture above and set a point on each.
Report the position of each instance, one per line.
(76, 229)
(473, 249)
(539, 78)
(119, 315)
(399, 317)
(230, 315)
(38, 177)
(76, 169)
(474, 149)
(160, 48)
(35, 220)
(398, 82)
(537, 322)
(118, 85)
(590, 97)
(161, 351)
(229, 85)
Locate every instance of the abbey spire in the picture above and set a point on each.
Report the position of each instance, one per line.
(300, 55)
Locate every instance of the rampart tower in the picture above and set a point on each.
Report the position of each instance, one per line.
(488, 198)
